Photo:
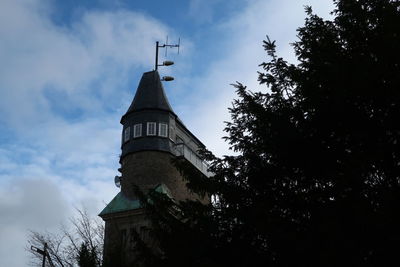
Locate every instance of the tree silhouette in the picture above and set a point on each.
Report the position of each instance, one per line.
(87, 257)
(316, 178)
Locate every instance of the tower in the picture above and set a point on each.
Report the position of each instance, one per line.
(152, 136)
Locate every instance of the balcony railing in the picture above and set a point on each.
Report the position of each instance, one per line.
(182, 150)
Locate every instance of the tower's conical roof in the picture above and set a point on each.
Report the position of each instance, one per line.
(150, 94)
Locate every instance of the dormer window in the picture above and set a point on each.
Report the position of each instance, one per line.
(151, 128)
(162, 129)
(127, 134)
(137, 130)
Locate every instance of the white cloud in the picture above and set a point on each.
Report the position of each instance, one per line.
(55, 162)
(94, 55)
(202, 11)
(27, 204)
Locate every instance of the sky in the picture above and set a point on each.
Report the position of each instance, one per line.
(69, 70)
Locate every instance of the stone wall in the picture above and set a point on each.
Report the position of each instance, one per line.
(120, 242)
(147, 169)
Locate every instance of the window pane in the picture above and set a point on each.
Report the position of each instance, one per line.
(151, 128)
(171, 133)
(127, 134)
(137, 130)
(162, 128)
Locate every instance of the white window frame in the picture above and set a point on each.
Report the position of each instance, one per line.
(171, 133)
(148, 128)
(162, 126)
(137, 130)
(127, 134)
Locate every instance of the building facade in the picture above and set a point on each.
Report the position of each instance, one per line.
(152, 136)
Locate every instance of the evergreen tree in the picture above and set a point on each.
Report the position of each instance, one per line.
(87, 256)
(316, 178)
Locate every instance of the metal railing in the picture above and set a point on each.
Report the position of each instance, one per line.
(182, 150)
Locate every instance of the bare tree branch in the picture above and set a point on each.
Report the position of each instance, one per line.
(63, 247)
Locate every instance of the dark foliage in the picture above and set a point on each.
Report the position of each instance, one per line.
(87, 257)
(316, 179)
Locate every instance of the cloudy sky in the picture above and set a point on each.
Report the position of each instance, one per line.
(69, 70)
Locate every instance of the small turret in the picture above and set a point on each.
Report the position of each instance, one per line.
(149, 123)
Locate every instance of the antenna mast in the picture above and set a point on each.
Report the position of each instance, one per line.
(166, 45)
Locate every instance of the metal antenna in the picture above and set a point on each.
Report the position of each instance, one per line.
(166, 46)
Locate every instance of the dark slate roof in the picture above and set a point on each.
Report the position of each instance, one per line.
(150, 94)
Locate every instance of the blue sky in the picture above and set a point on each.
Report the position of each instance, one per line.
(69, 70)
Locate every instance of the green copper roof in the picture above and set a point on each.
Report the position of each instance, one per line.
(120, 203)
(162, 188)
